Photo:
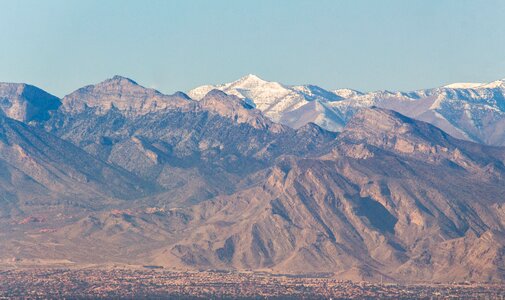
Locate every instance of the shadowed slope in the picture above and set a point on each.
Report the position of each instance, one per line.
(24, 102)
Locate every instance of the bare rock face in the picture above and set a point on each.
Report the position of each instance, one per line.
(123, 94)
(24, 102)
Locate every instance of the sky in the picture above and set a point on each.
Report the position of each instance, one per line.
(61, 45)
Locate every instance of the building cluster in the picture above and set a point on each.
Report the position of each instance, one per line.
(149, 282)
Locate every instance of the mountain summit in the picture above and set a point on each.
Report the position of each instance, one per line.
(275, 100)
(121, 80)
(123, 94)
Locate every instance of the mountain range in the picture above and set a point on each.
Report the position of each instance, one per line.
(470, 111)
(257, 175)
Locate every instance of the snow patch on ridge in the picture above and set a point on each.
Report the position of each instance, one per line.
(463, 85)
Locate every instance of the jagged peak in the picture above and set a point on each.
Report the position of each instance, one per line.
(237, 109)
(117, 83)
(494, 84)
(251, 77)
(13, 84)
(311, 127)
(181, 95)
(230, 101)
(215, 93)
(21, 87)
(476, 85)
(249, 80)
(121, 79)
(25, 102)
(347, 93)
(124, 94)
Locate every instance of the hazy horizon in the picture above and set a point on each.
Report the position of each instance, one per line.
(178, 45)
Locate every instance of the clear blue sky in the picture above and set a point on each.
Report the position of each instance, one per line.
(176, 45)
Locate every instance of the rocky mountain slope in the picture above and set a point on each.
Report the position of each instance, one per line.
(40, 171)
(374, 205)
(123, 174)
(220, 135)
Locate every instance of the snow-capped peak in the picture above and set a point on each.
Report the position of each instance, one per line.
(463, 85)
(250, 78)
(251, 82)
(470, 85)
(236, 87)
(494, 84)
(200, 92)
(347, 93)
(295, 105)
(273, 98)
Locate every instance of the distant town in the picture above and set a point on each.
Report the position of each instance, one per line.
(153, 282)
